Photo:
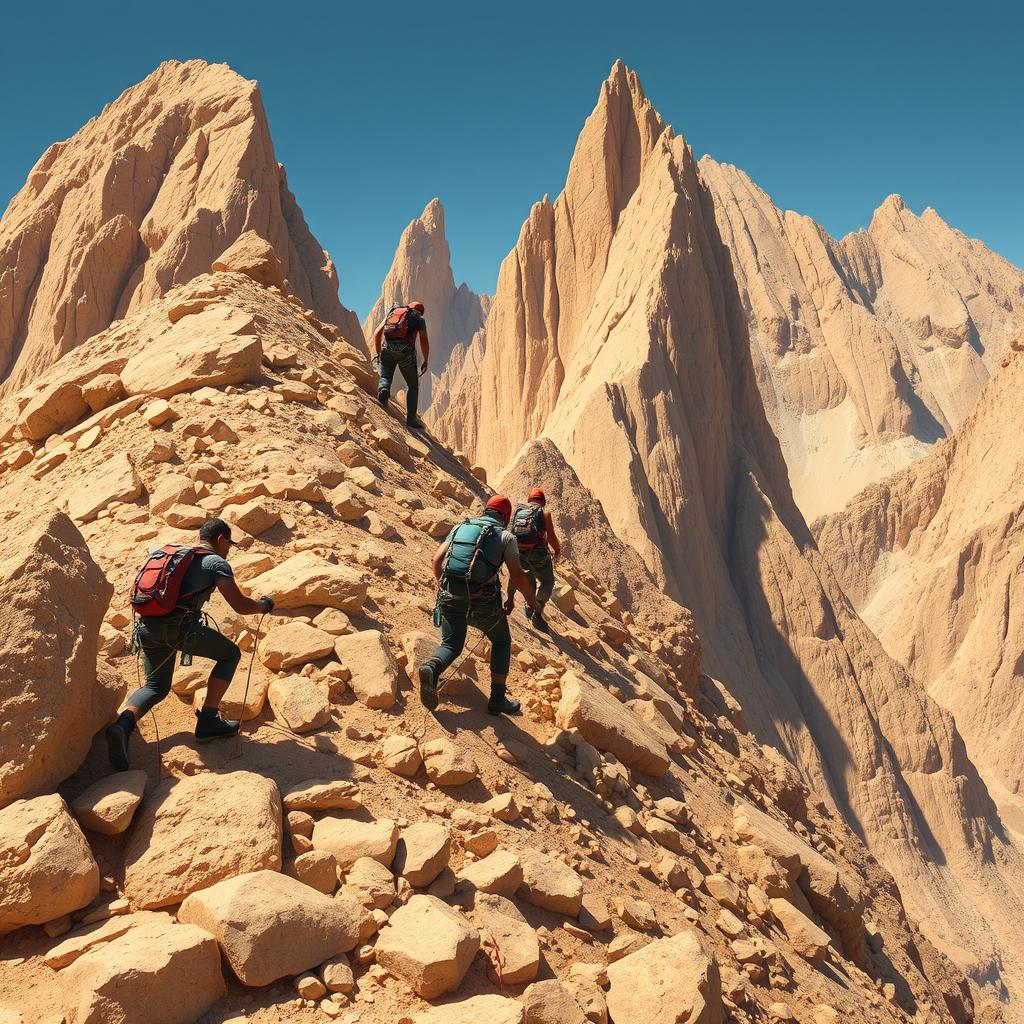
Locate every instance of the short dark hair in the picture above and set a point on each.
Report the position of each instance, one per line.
(214, 528)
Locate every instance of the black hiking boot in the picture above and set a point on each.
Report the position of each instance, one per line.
(383, 397)
(117, 746)
(539, 622)
(428, 686)
(501, 704)
(416, 424)
(210, 726)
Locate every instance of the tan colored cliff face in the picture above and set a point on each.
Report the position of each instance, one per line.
(866, 349)
(932, 557)
(422, 270)
(143, 198)
(635, 361)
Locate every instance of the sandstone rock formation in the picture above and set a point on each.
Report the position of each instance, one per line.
(145, 197)
(931, 558)
(866, 349)
(53, 597)
(422, 270)
(618, 333)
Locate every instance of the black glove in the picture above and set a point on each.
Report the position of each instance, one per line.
(267, 604)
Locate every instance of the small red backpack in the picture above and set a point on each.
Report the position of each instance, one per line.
(157, 587)
(397, 324)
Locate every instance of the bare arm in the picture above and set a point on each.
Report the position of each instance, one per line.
(553, 542)
(377, 336)
(238, 601)
(439, 560)
(425, 348)
(517, 578)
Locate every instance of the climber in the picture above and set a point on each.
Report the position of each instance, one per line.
(399, 330)
(466, 566)
(168, 596)
(539, 548)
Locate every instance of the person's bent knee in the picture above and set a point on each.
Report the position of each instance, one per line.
(226, 665)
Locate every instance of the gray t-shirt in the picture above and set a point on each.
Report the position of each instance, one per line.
(201, 577)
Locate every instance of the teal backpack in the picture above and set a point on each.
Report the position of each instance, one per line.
(476, 553)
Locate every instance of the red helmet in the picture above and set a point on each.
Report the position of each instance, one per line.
(536, 497)
(501, 504)
(418, 306)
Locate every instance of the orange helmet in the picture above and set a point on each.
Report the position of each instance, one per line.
(536, 497)
(499, 503)
(417, 305)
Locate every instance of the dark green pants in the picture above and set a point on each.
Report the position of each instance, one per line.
(402, 356)
(484, 613)
(162, 638)
(540, 573)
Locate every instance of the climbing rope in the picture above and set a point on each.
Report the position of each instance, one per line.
(248, 679)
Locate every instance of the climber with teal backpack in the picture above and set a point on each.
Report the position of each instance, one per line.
(466, 566)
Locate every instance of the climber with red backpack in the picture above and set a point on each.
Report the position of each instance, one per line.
(539, 547)
(394, 344)
(169, 592)
(466, 566)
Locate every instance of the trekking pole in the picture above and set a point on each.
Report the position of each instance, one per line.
(248, 679)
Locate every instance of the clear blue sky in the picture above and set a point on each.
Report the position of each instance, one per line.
(828, 107)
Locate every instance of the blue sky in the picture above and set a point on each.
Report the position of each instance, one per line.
(828, 107)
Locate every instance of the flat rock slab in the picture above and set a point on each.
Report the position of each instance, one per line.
(609, 726)
(499, 872)
(422, 853)
(810, 941)
(294, 643)
(551, 1002)
(322, 795)
(46, 867)
(492, 1009)
(299, 703)
(448, 764)
(349, 839)
(428, 945)
(308, 579)
(270, 926)
(193, 832)
(115, 480)
(664, 982)
(150, 969)
(108, 806)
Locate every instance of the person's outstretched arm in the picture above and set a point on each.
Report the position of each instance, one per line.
(239, 602)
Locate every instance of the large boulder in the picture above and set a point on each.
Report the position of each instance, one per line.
(52, 409)
(212, 348)
(53, 597)
(269, 925)
(428, 945)
(115, 480)
(810, 941)
(422, 852)
(665, 982)
(254, 256)
(374, 669)
(108, 805)
(193, 832)
(308, 579)
(550, 884)
(46, 867)
(146, 968)
(609, 726)
(299, 703)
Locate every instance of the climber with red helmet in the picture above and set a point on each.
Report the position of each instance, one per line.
(398, 332)
(466, 566)
(539, 547)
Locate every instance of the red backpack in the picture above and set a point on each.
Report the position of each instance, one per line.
(157, 588)
(398, 325)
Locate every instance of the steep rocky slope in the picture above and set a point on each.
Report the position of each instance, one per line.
(867, 349)
(618, 333)
(932, 558)
(626, 840)
(422, 270)
(144, 197)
